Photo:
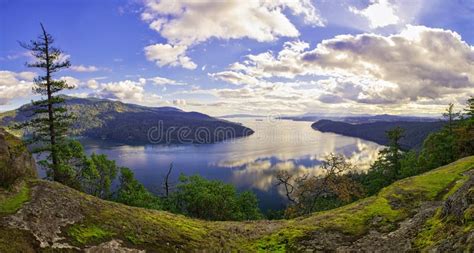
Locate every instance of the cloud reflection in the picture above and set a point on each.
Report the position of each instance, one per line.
(259, 173)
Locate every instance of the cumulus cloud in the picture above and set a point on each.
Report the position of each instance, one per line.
(158, 80)
(185, 23)
(123, 90)
(82, 68)
(15, 85)
(167, 54)
(74, 82)
(418, 63)
(234, 77)
(179, 102)
(379, 13)
(93, 84)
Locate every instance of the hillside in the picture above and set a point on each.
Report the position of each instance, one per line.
(415, 132)
(129, 123)
(433, 211)
(358, 119)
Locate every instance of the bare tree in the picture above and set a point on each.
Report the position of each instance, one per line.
(284, 178)
(306, 192)
(166, 183)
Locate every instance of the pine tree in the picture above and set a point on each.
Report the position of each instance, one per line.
(450, 115)
(50, 120)
(469, 111)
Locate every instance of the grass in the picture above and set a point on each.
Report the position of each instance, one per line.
(10, 203)
(165, 232)
(356, 219)
(87, 234)
(16, 240)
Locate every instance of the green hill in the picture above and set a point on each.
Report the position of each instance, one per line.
(128, 123)
(415, 132)
(433, 211)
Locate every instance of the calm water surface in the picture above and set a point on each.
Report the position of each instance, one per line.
(248, 163)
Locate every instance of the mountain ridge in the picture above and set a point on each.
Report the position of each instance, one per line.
(130, 123)
(415, 132)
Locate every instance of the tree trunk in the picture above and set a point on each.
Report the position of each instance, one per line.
(52, 132)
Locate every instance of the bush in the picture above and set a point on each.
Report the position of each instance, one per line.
(198, 197)
(133, 193)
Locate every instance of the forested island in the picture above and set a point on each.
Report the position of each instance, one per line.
(115, 121)
(415, 132)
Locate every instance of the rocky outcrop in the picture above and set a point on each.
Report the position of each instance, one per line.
(15, 161)
(430, 212)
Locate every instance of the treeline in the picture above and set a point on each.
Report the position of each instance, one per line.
(341, 184)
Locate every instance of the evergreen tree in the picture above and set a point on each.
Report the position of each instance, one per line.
(50, 120)
(450, 115)
(469, 111)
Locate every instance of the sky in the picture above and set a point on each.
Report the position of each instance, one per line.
(279, 57)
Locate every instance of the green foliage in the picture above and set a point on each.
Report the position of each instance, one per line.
(133, 193)
(50, 121)
(101, 173)
(454, 141)
(88, 234)
(372, 213)
(212, 200)
(73, 164)
(12, 202)
(335, 187)
(388, 167)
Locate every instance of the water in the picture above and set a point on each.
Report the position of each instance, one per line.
(248, 163)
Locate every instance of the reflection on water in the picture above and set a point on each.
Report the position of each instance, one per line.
(248, 163)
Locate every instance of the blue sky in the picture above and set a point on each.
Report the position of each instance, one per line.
(258, 57)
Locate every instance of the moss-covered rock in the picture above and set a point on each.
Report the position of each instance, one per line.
(405, 216)
(15, 161)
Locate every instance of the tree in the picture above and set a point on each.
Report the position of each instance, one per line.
(50, 122)
(450, 115)
(391, 156)
(73, 165)
(166, 183)
(469, 110)
(105, 172)
(133, 193)
(333, 188)
(198, 197)
(465, 131)
(388, 167)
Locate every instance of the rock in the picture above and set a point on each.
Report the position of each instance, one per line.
(112, 246)
(15, 160)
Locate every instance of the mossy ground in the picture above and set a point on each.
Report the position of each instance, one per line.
(394, 203)
(12, 200)
(162, 231)
(15, 240)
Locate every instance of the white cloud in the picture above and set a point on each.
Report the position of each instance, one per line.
(93, 84)
(179, 102)
(418, 63)
(123, 90)
(74, 82)
(379, 13)
(82, 68)
(158, 80)
(166, 54)
(234, 77)
(185, 23)
(15, 85)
